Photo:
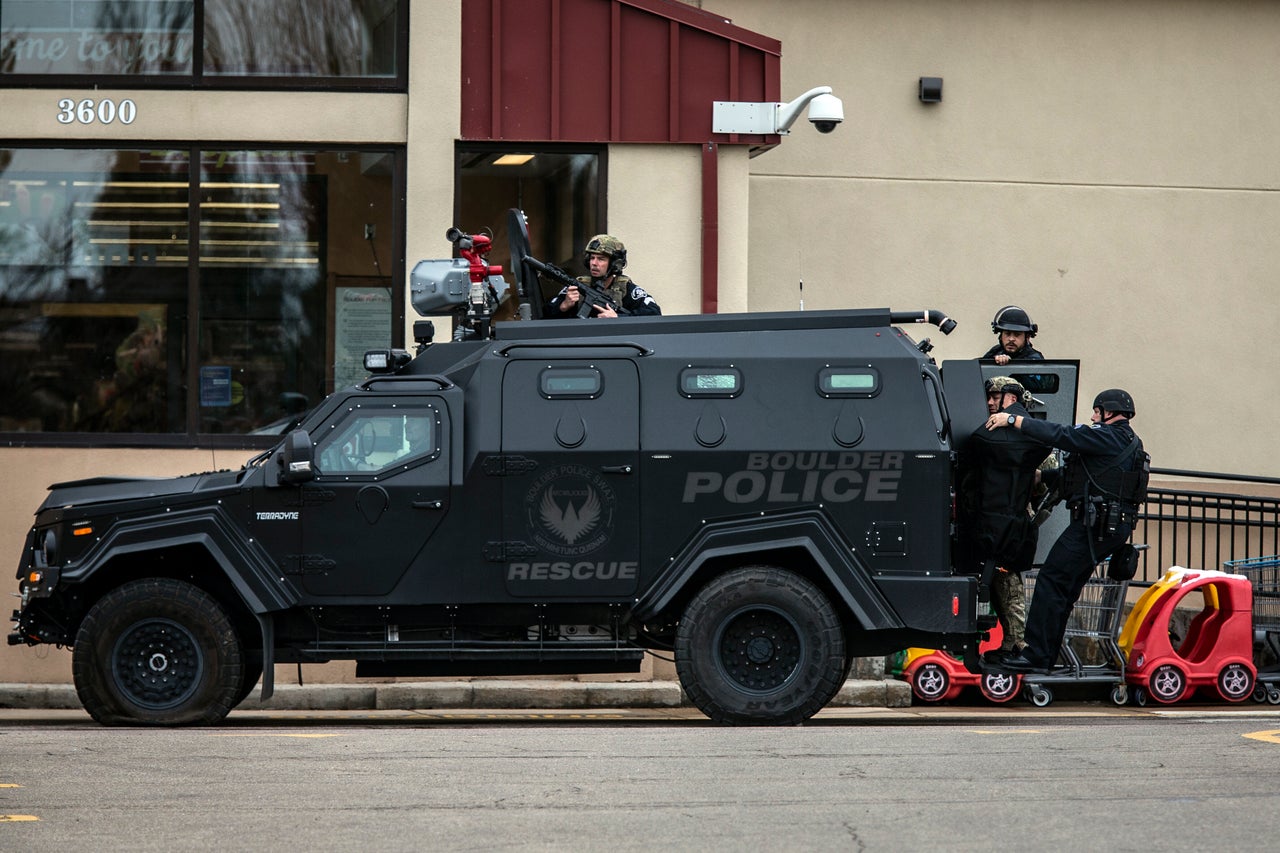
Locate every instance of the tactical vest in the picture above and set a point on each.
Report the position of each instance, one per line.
(617, 288)
(1121, 479)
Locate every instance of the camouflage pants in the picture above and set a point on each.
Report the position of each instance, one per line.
(1009, 600)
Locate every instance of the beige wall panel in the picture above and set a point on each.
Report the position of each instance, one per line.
(434, 123)
(734, 199)
(1140, 92)
(1151, 289)
(655, 203)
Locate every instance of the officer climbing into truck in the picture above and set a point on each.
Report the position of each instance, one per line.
(606, 291)
(1014, 329)
(1105, 481)
(995, 492)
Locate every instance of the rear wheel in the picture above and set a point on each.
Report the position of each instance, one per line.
(1000, 686)
(1235, 682)
(157, 652)
(930, 682)
(760, 646)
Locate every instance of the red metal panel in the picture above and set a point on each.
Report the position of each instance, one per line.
(585, 79)
(645, 80)
(606, 70)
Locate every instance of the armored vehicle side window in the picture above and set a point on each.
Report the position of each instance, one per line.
(578, 383)
(1038, 383)
(711, 382)
(372, 441)
(848, 382)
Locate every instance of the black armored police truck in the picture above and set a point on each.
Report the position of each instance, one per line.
(768, 496)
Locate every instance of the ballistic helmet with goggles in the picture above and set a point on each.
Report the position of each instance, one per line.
(611, 247)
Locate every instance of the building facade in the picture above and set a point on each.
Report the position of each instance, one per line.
(209, 208)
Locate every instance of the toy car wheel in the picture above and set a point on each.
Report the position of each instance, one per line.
(1039, 696)
(760, 646)
(1167, 683)
(1235, 682)
(157, 651)
(1120, 695)
(1000, 686)
(930, 682)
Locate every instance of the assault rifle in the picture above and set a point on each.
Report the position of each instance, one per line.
(590, 297)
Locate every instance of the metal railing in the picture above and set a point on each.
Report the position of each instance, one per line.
(1203, 529)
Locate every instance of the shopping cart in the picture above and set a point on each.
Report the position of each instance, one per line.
(1264, 574)
(1089, 649)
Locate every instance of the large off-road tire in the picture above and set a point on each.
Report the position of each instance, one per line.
(760, 646)
(157, 652)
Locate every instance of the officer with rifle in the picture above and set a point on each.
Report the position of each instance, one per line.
(605, 292)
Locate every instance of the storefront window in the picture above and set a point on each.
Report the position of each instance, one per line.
(99, 262)
(107, 37)
(320, 42)
(302, 38)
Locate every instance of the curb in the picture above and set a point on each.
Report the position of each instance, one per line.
(480, 693)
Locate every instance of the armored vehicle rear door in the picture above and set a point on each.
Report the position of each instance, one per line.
(1053, 384)
(570, 478)
(381, 489)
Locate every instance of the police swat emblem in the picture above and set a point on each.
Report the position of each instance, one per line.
(570, 510)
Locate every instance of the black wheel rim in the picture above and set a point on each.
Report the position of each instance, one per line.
(759, 649)
(157, 664)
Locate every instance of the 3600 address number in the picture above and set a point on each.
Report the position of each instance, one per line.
(89, 111)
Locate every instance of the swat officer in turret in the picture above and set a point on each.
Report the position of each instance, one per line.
(604, 257)
(1014, 328)
(1105, 481)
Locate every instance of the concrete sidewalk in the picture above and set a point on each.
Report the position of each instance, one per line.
(479, 693)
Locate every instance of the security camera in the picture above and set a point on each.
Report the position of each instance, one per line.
(825, 112)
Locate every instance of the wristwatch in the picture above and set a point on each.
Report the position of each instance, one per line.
(1013, 420)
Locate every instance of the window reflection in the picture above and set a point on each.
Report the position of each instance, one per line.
(96, 36)
(97, 259)
(311, 38)
(89, 314)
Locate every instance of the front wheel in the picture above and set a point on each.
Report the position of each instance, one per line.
(157, 652)
(760, 646)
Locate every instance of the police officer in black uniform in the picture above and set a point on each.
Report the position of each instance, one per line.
(1014, 328)
(1105, 480)
(604, 257)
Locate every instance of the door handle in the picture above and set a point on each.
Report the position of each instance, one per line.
(615, 469)
(428, 504)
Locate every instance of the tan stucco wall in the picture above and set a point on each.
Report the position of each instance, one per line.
(654, 202)
(1109, 166)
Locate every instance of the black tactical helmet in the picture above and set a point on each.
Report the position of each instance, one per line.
(611, 247)
(1114, 400)
(1011, 318)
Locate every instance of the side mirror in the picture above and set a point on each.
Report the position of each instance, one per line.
(295, 458)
